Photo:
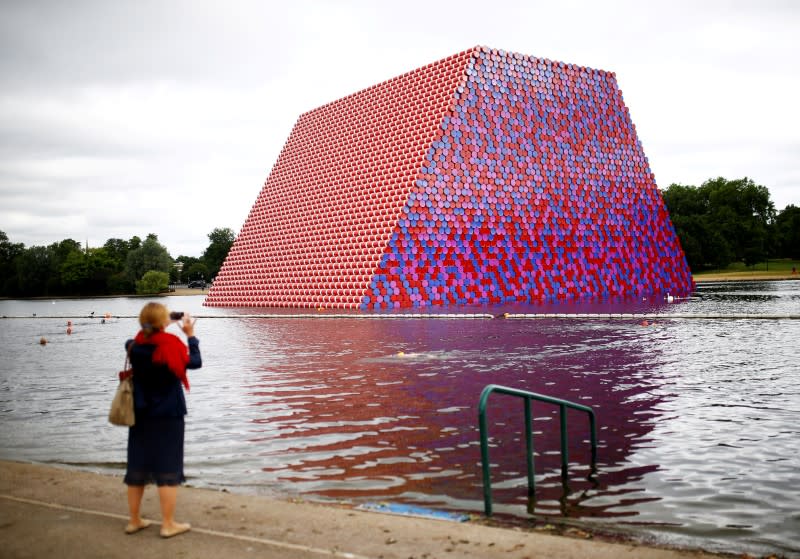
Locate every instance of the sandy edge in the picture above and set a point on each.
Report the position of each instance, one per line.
(46, 510)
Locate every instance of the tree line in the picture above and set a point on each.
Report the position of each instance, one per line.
(720, 222)
(725, 221)
(118, 267)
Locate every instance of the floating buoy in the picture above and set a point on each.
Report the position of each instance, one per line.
(69, 330)
(42, 341)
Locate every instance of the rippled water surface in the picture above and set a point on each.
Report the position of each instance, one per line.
(697, 418)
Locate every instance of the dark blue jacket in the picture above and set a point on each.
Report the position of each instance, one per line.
(157, 392)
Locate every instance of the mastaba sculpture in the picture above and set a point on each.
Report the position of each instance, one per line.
(486, 177)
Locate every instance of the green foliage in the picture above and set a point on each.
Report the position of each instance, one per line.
(87, 272)
(118, 267)
(787, 232)
(8, 254)
(722, 221)
(119, 284)
(75, 271)
(34, 267)
(117, 251)
(217, 251)
(186, 264)
(152, 283)
(151, 255)
(197, 271)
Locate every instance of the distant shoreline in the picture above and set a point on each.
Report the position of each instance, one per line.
(744, 276)
(698, 278)
(179, 292)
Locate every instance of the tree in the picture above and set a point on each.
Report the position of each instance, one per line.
(197, 271)
(61, 252)
(88, 272)
(119, 284)
(722, 221)
(74, 271)
(217, 251)
(8, 273)
(152, 283)
(101, 267)
(117, 251)
(185, 263)
(34, 268)
(683, 200)
(787, 233)
(743, 213)
(688, 208)
(151, 255)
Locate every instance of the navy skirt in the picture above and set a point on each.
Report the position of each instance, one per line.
(155, 451)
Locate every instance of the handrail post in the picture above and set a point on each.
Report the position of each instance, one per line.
(528, 396)
(593, 429)
(564, 446)
(487, 479)
(529, 454)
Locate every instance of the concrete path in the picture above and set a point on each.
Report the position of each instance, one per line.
(56, 512)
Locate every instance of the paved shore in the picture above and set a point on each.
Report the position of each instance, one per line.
(57, 512)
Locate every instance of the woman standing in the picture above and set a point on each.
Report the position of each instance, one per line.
(155, 443)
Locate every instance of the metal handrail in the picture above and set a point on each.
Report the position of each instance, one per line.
(528, 396)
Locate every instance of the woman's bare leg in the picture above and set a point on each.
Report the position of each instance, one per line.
(135, 523)
(168, 495)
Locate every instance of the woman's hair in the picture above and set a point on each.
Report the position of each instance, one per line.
(152, 318)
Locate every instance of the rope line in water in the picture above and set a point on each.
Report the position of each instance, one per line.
(466, 316)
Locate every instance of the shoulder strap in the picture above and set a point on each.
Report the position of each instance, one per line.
(127, 370)
(128, 357)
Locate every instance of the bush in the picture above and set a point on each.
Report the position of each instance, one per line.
(118, 284)
(153, 282)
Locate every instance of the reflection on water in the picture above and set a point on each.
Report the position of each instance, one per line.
(371, 418)
(696, 419)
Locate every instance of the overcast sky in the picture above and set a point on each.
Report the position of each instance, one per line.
(122, 118)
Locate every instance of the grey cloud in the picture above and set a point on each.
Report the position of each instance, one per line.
(49, 43)
(125, 118)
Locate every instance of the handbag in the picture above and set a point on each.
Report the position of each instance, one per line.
(121, 412)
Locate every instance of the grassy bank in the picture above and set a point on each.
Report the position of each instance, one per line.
(187, 291)
(770, 270)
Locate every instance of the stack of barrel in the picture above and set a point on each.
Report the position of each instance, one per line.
(486, 177)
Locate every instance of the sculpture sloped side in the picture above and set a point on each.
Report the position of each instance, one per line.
(486, 177)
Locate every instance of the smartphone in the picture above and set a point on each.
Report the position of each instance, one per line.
(175, 315)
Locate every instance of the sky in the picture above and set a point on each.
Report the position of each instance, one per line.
(123, 118)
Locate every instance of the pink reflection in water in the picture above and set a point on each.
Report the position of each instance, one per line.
(366, 409)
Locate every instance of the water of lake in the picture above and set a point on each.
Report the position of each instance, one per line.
(697, 418)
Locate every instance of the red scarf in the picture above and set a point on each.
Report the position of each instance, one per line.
(170, 351)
